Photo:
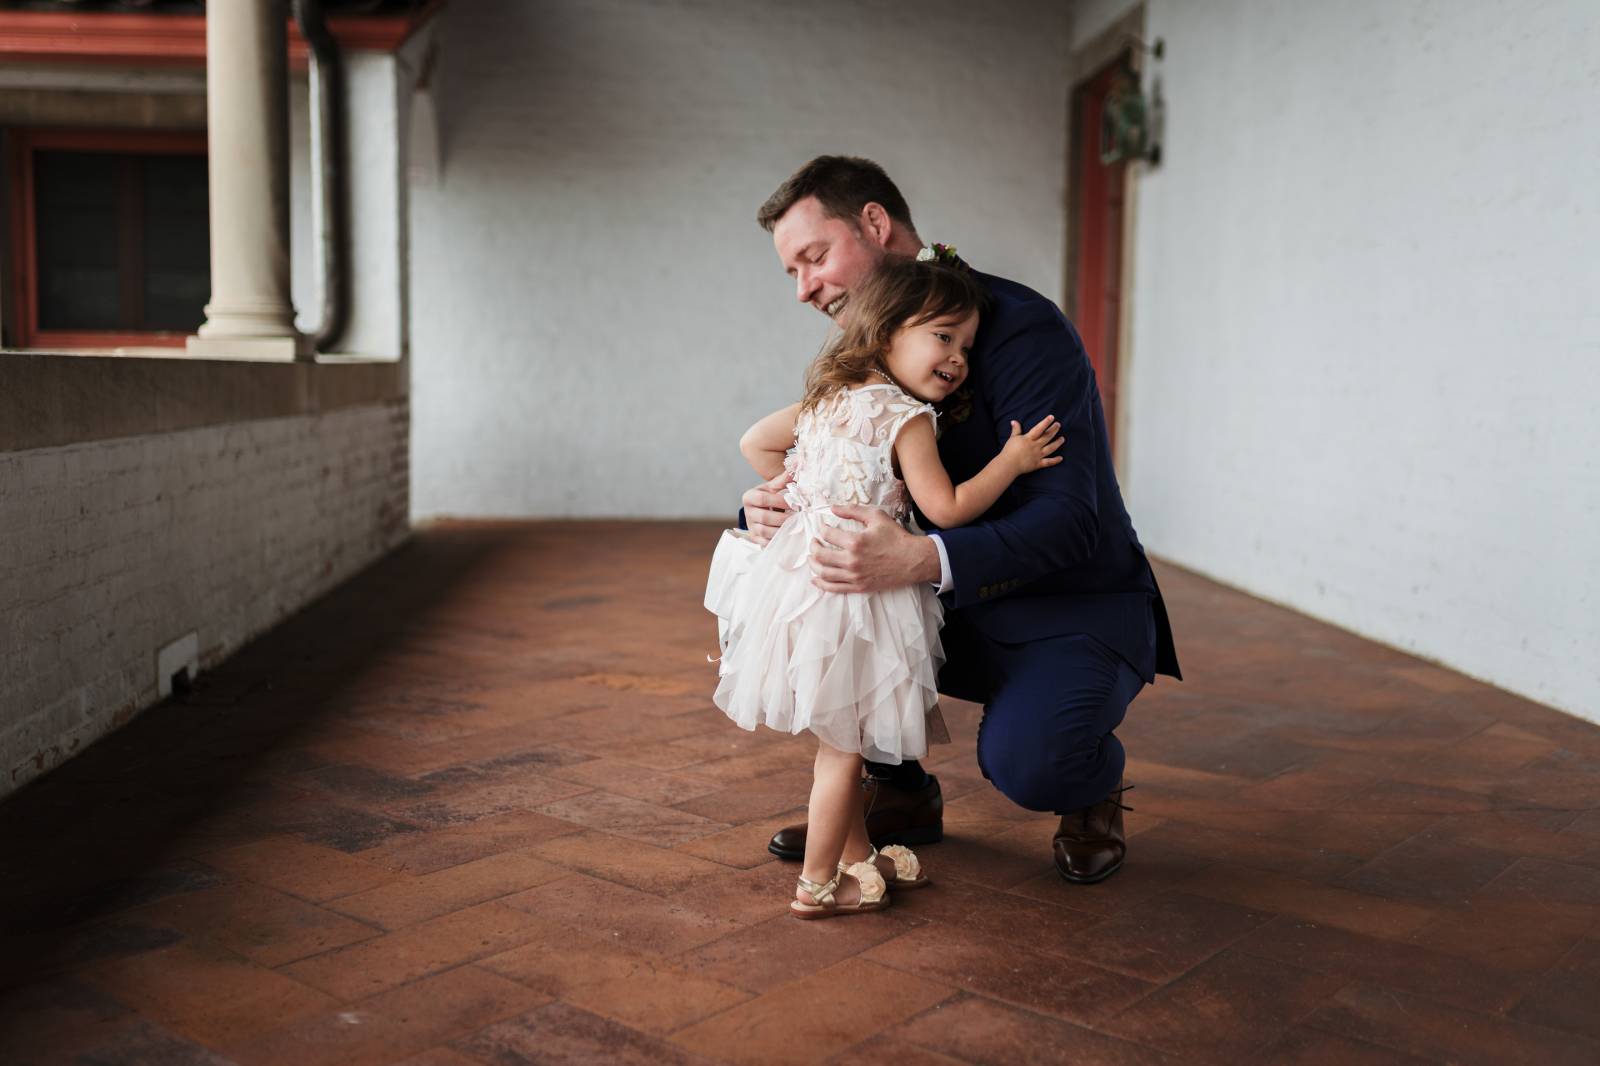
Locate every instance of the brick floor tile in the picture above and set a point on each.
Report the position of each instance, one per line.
(393, 959)
(1148, 776)
(1439, 1033)
(787, 755)
(558, 1033)
(627, 862)
(1166, 935)
(781, 949)
(645, 822)
(309, 871)
(1304, 1046)
(1523, 937)
(416, 899)
(546, 760)
(1540, 879)
(1069, 988)
(1399, 797)
(439, 1056)
(393, 1025)
(1051, 927)
(1257, 753)
(59, 898)
(1204, 843)
(747, 801)
(1428, 870)
(743, 846)
(623, 916)
(969, 853)
(52, 1020)
(1361, 834)
(974, 1029)
(1224, 1008)
(259, 923)
(436, 849)
(27, 957)
(1149, 871)
(1565, 998)
(362, 785)
(1499, 747)
(1312, 789)
(524, 793)
(645, 993)
(1404, 967)
(319, 821)
(637, 782)
(889, 1049)
(147, 1042)
(205, 992)
(815, 1016)
(1276, 894)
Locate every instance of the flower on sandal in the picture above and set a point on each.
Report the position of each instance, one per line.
(871, 880)
(907, 867)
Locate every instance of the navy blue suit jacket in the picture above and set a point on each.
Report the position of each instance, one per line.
(1057, 553)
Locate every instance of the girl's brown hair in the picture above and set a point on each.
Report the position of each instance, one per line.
(898, 293)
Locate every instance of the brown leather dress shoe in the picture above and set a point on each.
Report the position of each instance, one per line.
(894, 816)
(1090, 845)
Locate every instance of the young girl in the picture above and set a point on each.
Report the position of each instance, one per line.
(858, 670)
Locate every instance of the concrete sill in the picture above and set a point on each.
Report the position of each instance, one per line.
(47, 401)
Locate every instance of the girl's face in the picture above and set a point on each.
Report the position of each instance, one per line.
(929, 359)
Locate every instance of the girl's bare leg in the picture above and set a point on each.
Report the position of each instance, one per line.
(856, 845)
(834, 812)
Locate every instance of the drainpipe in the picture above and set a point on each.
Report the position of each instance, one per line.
(329, 201)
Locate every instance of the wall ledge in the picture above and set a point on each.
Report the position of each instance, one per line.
(47, 400)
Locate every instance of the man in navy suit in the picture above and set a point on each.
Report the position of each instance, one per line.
(1053, 618)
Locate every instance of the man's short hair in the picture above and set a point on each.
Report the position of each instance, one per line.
(843, 185)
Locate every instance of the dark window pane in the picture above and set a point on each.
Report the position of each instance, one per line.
(177, 263)
(122, 241)
(76, 193)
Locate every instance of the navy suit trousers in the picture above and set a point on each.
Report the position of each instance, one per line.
(1051, 709)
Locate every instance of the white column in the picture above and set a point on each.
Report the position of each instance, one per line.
(247, 118)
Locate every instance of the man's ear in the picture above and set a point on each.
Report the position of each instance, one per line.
(876, 224)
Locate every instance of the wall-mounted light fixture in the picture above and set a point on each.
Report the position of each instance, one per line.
(1131, 124)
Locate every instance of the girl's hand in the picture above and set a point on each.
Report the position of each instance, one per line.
(1032, 450)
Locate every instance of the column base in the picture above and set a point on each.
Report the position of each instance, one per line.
(259, 349)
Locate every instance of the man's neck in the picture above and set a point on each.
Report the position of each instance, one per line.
(903, 242)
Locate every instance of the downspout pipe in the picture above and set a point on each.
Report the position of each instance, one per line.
(331, 202)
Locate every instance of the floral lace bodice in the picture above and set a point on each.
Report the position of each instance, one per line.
(844, 450)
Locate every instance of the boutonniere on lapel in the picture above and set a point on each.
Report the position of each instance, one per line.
(940, 253)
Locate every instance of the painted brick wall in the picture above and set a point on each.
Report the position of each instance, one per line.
(1365, 360)
(111, 549)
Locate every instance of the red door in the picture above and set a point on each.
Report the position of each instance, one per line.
(1097, 235)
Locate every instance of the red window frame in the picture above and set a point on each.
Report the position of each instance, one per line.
(24, 280)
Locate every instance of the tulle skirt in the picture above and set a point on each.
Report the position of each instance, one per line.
(857, 669)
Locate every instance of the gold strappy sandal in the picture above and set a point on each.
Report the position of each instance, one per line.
(874, 894)
(907, 868)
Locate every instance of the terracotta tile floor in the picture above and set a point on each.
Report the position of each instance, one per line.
(476, 807)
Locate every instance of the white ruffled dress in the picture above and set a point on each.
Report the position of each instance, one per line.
(858, 670)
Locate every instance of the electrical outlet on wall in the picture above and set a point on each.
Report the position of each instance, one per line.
(179, 660)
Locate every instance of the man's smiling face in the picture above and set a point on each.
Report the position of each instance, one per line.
(826, 257)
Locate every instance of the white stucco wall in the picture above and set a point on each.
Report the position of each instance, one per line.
(1366, 329)
(595, 315)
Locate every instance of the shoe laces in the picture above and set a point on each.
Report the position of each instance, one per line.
(1114, 797)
